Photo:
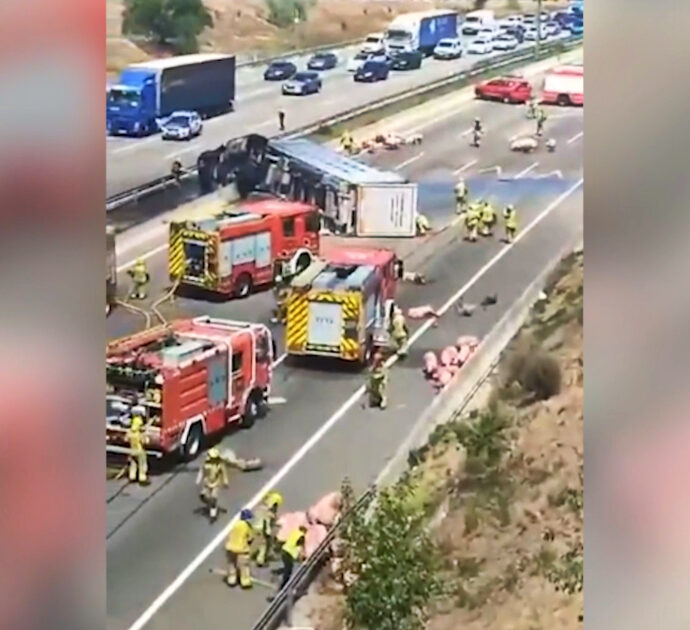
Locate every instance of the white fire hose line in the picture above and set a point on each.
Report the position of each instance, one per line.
(316, 437)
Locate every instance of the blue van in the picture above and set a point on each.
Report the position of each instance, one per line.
(371, 71)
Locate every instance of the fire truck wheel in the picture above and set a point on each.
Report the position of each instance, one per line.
(251, 411)
(192, 445)
(244, 286)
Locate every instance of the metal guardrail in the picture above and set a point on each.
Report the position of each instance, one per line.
(480, 67)
(281, 606)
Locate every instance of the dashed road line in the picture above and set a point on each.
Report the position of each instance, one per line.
(465, 167)
(577, 136)
(409, 161)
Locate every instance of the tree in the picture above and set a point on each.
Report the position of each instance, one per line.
(173, 22)
(395, 563)
(286, 12)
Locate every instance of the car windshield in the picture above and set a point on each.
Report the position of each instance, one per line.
(471, 19)
(480, 41)
(178, 120)
(279, 65)
(361, 56)
(320, 56)
(445, 44)
(118, 96)
(302, 76)
(373, 40)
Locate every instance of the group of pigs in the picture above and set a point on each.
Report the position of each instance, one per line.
(440, 370)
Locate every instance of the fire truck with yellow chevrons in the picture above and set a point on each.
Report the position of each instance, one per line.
(340, 306)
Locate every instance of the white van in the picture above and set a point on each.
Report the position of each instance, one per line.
(373, 43)
(476, 20)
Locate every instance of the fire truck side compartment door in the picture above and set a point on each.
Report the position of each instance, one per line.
(371, 309)
(218, 382)
(263, 249)
(325, 323)
(225, 259)
(243, 250)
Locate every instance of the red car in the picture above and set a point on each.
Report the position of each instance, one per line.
(507, 89)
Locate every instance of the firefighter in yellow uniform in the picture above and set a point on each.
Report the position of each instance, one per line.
(214, 475)
(266, 527)
(461, 196)
(399, 332)
(422, 225)
(346, 142)
(488, 219)
(237, 547)
(472, 217)
(510, 223)
(378, 381)
(136, 438)
(292, 551)
(140, 280)
(281, 292)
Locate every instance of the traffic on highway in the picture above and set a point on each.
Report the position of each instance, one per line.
(254, 101)
(267, 338)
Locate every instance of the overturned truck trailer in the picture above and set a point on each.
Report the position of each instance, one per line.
(354, 198)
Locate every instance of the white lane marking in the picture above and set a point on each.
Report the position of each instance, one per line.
(192, 147)
(196, 562)
(575, 137)
(531, 167)
(457, 171)
(135, 144)
(280, 359)
(498, 170)
(146, 256)
(266, 123)
(558, 174)
(409, 161)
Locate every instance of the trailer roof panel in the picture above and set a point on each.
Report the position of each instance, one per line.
(330, 163)
(178, 61)
(360, 256)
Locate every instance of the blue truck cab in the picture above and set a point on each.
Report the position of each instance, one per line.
(150, 91)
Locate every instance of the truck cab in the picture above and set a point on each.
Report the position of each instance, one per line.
(477, 20)
(131, 104)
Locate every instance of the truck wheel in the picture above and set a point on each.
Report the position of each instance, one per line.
(251, 412)
(244, 286)
(563, 100)
(192, 445)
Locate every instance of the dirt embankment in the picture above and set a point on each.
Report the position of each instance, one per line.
(242, 26)
(505, 485)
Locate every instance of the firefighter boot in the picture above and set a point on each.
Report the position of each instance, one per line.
(231, 578)
(143, 468)
(245, 574)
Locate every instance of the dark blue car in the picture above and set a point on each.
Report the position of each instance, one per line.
(576, 27)
(372, 71)
(279, 71)
(322, 61)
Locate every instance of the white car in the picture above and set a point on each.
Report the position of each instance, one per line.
(531, 33)
(480, 46)
(511, 20)
(181, 125)
(373, 43)
(488, 32)
(552, 29)
(357, 61)
(505, 42)
(450, 48)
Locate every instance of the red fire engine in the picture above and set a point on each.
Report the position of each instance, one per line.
(341, 306)
(232, 252)
(187, 379)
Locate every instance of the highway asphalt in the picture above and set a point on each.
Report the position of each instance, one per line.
(131, 162)
(153, 533)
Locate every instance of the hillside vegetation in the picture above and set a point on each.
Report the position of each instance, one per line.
(494, 500)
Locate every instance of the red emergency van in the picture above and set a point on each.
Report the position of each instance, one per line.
(564, 85)
(237, 250)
